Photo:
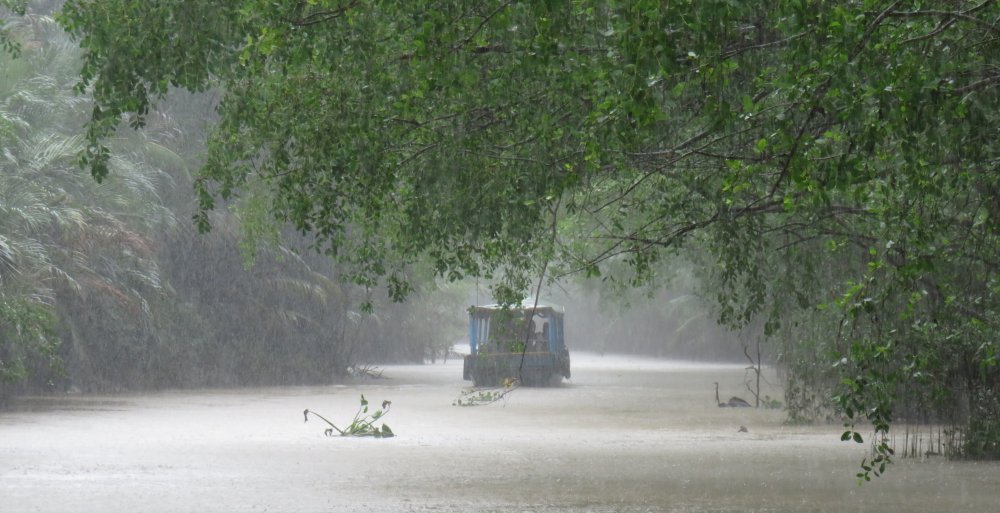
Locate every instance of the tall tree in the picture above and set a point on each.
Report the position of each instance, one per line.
(71, 246)
(837, 156)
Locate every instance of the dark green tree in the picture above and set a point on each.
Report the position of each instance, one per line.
(834, 157)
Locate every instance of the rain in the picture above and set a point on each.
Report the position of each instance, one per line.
(439, 256)
(625, 434)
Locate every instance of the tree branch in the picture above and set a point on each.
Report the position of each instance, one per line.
(323, 16)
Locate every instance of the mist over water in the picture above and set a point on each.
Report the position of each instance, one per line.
(624, 435)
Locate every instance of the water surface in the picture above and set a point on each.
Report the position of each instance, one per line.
(624, 435)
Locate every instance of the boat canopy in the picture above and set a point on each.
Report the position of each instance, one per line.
(526, 306)
(502, 335)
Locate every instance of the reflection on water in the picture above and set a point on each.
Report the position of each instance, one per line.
(625, 434)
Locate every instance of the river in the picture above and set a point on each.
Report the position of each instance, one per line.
(624, 435)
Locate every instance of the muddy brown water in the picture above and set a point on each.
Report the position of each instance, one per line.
(624, 435)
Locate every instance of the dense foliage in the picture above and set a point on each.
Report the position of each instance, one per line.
(101, 288)
(831, 165)
(837, 158)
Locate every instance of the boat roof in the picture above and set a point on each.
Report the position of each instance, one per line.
(526, 305)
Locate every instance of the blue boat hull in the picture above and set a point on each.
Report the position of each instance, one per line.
(530, 369)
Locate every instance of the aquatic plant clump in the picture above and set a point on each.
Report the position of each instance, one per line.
(482, 397)
(363, 423)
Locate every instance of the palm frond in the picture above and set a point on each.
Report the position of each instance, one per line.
(149, 275)
(9, 157)
(293, 317)
(10, 125)
(51, 151)
(8, 259)
(64, 278)
(137, 178)
(328, 283)
(159, 156)
(303, 288)
(356, 318)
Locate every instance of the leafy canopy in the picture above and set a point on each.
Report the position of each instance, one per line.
(827, 156)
